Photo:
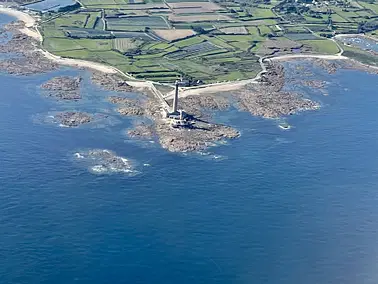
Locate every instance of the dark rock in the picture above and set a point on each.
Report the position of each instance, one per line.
(29, 59)
(131, 110)
(63, 87)
(73, 119)
(111, 82)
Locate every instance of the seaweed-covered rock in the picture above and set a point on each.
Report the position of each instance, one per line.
(73, 118)
(130, 110)
(63, 87)
(102, 161)
(29, 59)
(111, 82)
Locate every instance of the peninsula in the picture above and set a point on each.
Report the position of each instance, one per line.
(171, 49)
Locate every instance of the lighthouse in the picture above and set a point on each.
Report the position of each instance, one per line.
(175, 98)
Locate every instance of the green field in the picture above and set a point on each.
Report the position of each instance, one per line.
(322, 46)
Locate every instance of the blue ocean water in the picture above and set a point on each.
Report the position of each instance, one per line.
(296, 206)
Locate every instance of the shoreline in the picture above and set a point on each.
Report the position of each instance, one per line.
(31, 30)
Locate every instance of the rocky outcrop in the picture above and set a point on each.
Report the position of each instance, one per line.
(201, 136)
(28, 60)
(142, 130)
(130, 111)
(273, 104)
(267, 98)
(128, 107)
(102, 161)
(197, 136)
(110, 82)
(73, 118)
(63, 88)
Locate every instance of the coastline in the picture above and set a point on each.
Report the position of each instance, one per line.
(32, 31)
(261, 96)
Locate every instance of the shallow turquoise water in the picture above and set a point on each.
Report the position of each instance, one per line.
(297, 206)
(362, 43)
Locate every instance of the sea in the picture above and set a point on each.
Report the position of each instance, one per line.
(275, 206)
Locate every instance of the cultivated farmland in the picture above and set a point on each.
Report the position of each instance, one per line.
(174, 34)
(203, 40)
(235, 30)
(125, 44)
(198, 18)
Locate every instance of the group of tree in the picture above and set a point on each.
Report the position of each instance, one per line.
(69, 8)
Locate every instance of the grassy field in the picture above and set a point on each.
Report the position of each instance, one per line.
(264, 31)
(72, 20)
(125, 44)
(258, 13)
(188, 42)
(91, 21)
(361, 56)
(217, 41)
(371, 6)
(322, 46)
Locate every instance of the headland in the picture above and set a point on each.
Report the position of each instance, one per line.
(180, 125)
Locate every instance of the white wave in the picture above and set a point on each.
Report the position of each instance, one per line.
(79, 156)
(99, 169)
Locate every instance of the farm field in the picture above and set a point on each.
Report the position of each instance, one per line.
(202, 40)
(322, 46)
(171, 35)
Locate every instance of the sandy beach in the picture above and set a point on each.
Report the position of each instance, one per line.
(32, 31)
(80, 63)
(26, 18)
(319, 56)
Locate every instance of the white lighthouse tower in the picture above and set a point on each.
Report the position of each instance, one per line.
(175, 99)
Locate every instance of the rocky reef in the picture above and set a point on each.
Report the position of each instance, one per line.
(130, 111)
(267, 99)
(142, 130)
(318, 84)
(102, 161)
(128, 107)
(274, 104)
(330, 66)
(199, 106)
(73, 118)
(28, 59)
(111, 82)
(198, 135)
(202, 135)
(333, 66)
(63, 88)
